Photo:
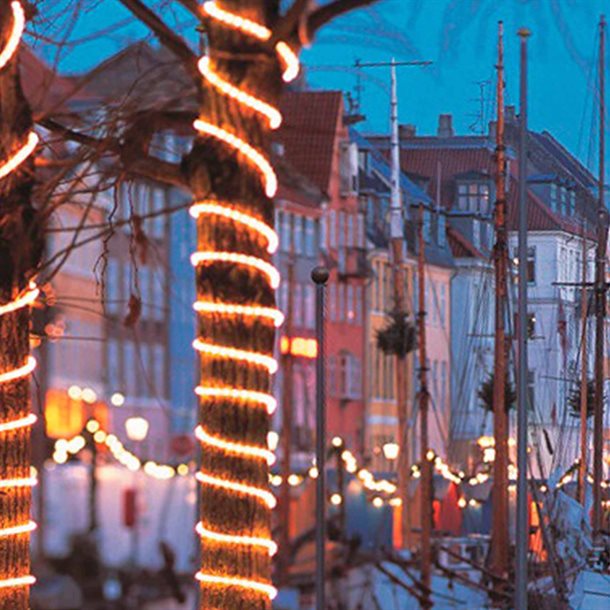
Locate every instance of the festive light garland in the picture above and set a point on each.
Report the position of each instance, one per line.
(258, 161)
(24, 300)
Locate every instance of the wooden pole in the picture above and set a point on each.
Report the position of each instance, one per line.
(426, 463)
(499, 530)
(600, 298)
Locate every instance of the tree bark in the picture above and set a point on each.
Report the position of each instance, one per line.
(19, 254)
(215, 171)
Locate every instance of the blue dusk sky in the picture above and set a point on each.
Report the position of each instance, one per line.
(458, 36)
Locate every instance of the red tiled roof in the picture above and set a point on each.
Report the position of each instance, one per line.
(308, 133)
(460, 246)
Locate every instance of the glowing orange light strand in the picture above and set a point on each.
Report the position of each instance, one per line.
(15, 35)
(241, 488)
(235, 448)
(231, 353)
(266, 543)
(262, 398)
(18, 529)
(20, 156)
(229, 581)
(240, 310)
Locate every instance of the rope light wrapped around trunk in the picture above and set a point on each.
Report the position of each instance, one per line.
(16, 478)
(237, 325)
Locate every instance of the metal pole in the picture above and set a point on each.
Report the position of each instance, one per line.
(320, 276)
(522, 371)
(600, 300)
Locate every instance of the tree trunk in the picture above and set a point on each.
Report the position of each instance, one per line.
(219, 174)
(19, 254)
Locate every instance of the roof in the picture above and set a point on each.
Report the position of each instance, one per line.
(460, 246)
(309, 130)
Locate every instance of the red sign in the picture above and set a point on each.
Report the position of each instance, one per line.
(182, 444)
(130, 507)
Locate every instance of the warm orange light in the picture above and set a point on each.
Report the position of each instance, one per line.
(22, 371)
(272, 114)
(24, 422)
(266, 400)
(291, 61)
(214, 207)
(20, 156)
(249, 490)
(234, 448)
(266, 543)
(15, 34)
(201, 258)
(27, 298)
(241, 146)
(18, 529)
(299, 347)
(240, 310)
(22, 581)
(24, 482)
(231, 353)
(244, 583)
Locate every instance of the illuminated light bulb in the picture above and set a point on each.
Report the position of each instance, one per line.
(336, 499)
(182, 470)
(462, 503)
(89, 396)
(430, 455)
(235, 448)
(313, 472)
(543, 488)
(395, 502)
(201, 258)
(255, 157)
(294, 480)
(272, 114)
(18, 529)
(15, 34)
(377, 502)
(74, 392)
(212, 207)
(249, 490)
(275, 480)
(337, 441)
(20, 156)
(16, 424)
(99, 436)
(117, 399)
(244, 583)
(240, 310)
(266, 400)
(22, 371)
(290, 59)
(472, 502)
(273, 439)
(266, 543)
(416, 474)
(219, 351)
(92, 426)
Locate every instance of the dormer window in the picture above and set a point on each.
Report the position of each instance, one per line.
(442, 231)
(473, 196)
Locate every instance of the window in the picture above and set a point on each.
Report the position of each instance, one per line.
(332, 228)
(474, 197)
(157, 296)
(442, 304)
(531, 389)
(285, 231)
(350, 231)
(332, 301)
(531, 264)
(341, 229)
(145, 292)
(131, 372)
(360, 229)
(158, 221)
(126, 283)
(113, 288)
(358, 313)
(531, 325)
(427, 232)
(283, 297)
(114, 366)
(310, 235)
(297, 304)
(554, 197)
(310, 307)
(442, 230)
(563, 200)
(298, 234)
(323, 232)
(341, 302)
(350, 306)
(143, 375)
(572, 203)
(159, 370)
(476, 233)
(443, 398)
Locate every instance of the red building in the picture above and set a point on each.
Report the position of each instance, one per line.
(315, 140)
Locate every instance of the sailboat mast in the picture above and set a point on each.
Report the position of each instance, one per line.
(600, 296)
(522, 369)
(584, 394)
(499, 530)
(426, 463)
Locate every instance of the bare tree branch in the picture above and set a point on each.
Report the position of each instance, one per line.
(286, 24)
(166, 36)
(328, 12)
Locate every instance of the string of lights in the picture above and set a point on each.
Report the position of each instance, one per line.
(255, 159)
(23, 300)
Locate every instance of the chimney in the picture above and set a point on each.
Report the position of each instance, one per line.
(406, 131)
(510, 115)
(445, 126)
